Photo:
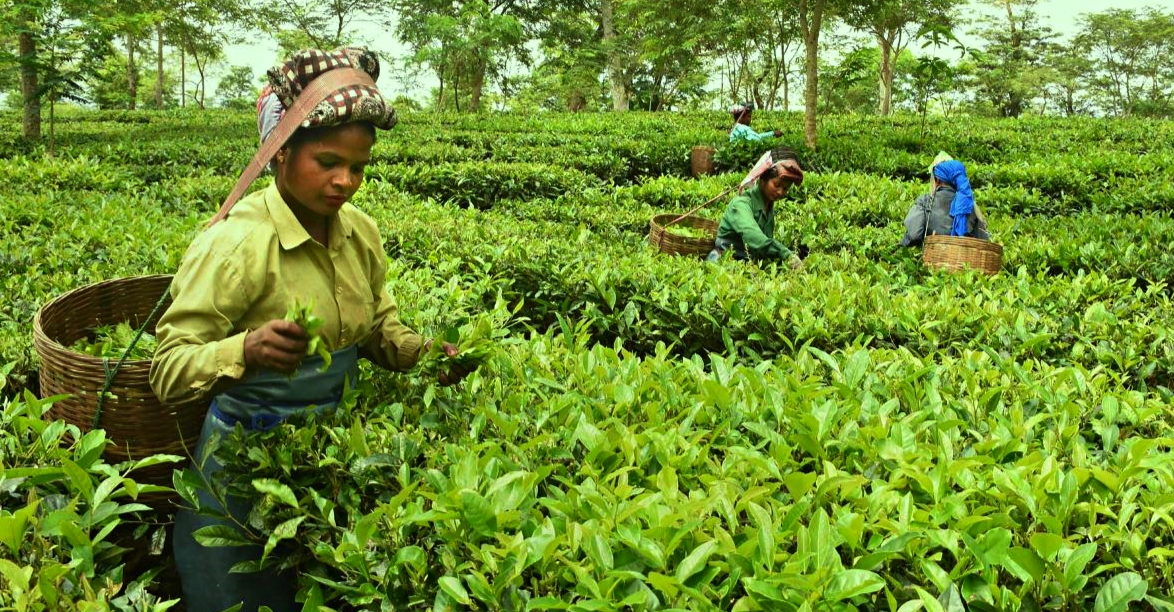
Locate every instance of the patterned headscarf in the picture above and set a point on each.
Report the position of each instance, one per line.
(785, 167)
(346, 105)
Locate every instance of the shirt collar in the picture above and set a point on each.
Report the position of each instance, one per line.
(290, 232)
(757, 204)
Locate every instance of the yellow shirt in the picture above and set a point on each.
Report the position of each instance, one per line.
(248, 269)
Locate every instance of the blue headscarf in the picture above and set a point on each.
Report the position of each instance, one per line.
(953, 173)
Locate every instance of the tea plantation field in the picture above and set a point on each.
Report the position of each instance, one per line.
(655, 433)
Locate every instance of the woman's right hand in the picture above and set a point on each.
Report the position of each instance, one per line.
(277, 345)
(778, 133)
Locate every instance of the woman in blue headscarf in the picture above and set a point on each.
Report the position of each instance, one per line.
(948, 209)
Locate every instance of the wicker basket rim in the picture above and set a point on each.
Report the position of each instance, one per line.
(964, 241)
(53, 344)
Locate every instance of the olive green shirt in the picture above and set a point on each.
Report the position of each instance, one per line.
(248, 269)
(751, 228)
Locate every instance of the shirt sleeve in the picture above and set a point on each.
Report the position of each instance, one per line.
(758, 244)
(915, 221)
(391, 344)
(765, 135)
(195, 352)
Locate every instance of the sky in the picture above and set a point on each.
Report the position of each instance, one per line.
(259, 55)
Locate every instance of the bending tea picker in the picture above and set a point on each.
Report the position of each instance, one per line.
(742, 114)
(293, 256)
(948, 210)
(747, 226)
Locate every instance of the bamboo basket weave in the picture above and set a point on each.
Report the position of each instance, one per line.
(953, 253)
(676, 244)
(137, 423)
(702, 160)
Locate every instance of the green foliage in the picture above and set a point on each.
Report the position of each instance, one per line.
(654, 433)
(112, 341)
(60, 508)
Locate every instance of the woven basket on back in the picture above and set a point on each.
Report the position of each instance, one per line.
(954, 253)
(677, 244)
(137, 423)
(702, 160)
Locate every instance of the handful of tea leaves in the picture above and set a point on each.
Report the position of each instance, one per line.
(476, 340)
(111, 341)
(303, 315)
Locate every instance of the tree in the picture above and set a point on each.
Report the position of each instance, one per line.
(1009, 71)
(1131, 53)
(1069, 72)
(847, 86)
(46, 25)
(757, 45)
(328, 24)
(238, 88)
(812, 14)
(465, 42)
(894, 24)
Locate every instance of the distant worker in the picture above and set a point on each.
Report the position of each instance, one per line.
(748, 225)
(948, 209)
(742, 130)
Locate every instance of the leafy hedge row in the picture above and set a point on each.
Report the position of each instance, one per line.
(628, 292)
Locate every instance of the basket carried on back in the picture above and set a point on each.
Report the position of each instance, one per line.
(678, 244)
(135, 420)
(954, 253)
(702, 160)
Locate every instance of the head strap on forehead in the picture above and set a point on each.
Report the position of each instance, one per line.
(788, 168)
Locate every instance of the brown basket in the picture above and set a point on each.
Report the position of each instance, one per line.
(676, 244)
(702, 160)
(137, 423)
(954, 253)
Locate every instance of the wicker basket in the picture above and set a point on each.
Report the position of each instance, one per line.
(137, 423)
(702, 160)
(954, 253)
(676, 244)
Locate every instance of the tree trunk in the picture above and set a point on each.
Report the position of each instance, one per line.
(811, 22)
(183, 78)
(132, 85)
(52, 130)
(31, 118)
(476, 87)
(886, 76)
(159, 70)
(786, 92)
(615, 64)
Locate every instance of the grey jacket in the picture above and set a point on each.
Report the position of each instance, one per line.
(930, 214)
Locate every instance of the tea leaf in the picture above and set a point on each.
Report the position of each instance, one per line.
(1120, 591)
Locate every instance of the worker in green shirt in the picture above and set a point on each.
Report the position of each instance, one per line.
(748, 225)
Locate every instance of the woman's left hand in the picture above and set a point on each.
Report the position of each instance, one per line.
(455, 374)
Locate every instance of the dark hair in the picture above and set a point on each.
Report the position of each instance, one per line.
(778, 154)
(303, 135)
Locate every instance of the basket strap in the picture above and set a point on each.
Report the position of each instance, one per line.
(111, 373)
(706, 203)
(316, 92)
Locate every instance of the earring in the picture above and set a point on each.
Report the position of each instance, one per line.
(281, 158)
